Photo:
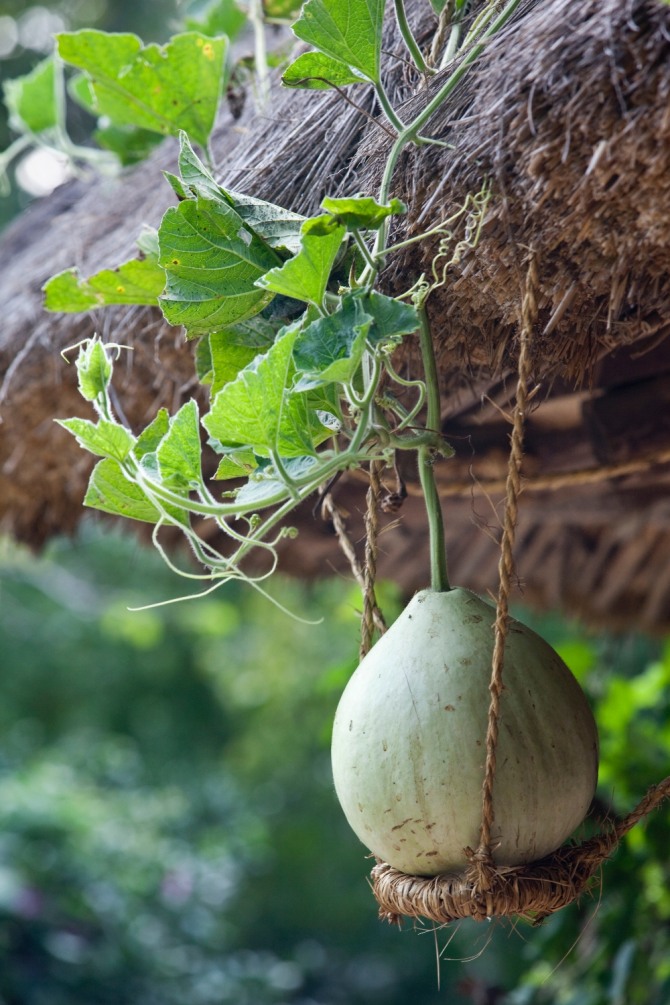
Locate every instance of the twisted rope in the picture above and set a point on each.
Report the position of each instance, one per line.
(482, 862)
(372, 616)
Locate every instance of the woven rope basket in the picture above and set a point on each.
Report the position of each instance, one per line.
(484, 891)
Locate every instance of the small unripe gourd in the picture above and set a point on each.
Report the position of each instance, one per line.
(409, 740)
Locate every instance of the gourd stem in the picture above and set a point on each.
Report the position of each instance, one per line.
(439, 580)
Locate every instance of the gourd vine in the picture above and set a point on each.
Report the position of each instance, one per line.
(295, 340)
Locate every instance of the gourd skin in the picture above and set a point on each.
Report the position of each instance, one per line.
(409, 741)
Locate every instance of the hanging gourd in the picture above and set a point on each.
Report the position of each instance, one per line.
(466, 782)
(409, 740)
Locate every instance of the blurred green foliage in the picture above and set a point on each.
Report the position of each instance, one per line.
(26, 36)
(168, 829)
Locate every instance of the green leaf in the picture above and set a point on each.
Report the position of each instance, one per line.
(319, 72)
(151, 436)
(179, 451)
(147, 241)
(131, 145)
(80, 89)
(281, 10)
(306, 275)
(195, 180)
(104, 438)
(330, 349)
(203, 361)
(165, 89)
(257, 411)
(31, 99)
(325, 400)
(139, 281)
(110, 491)
(362, 213)
(228, 358)
(350, 32)
(279, 227)
(236, 464)
(222, 17)
(94, 369)
(392, 318)
(276, 225)
(263, 485)
(257, 333)
(212, 261)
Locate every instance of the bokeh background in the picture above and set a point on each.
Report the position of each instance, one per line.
(168, 827)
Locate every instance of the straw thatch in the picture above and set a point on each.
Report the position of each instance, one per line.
(567, 114)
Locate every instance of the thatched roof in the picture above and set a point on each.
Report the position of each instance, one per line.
(568, 114)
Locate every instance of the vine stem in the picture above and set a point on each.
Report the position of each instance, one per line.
(388, 109)
(410, 41)
(410, 133)
(439, 579)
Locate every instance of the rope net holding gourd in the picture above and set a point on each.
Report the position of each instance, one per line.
(484, 890)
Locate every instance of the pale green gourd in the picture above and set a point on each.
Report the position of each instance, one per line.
(409, 748)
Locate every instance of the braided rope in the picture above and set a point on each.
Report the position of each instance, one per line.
(482, 861)
(371, 612)
(330, 511)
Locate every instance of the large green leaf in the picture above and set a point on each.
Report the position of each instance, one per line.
(330, 349)
(110, 491)
(306, 275)
(212, 260)
(166, 89)
(279, 227)
(139, 281)
(317, 71)
(31, 99)
(257, 410)
(349, 31)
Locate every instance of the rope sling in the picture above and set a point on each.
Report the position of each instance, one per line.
(485, 890)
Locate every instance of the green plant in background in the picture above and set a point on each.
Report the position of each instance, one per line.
(137, 93)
